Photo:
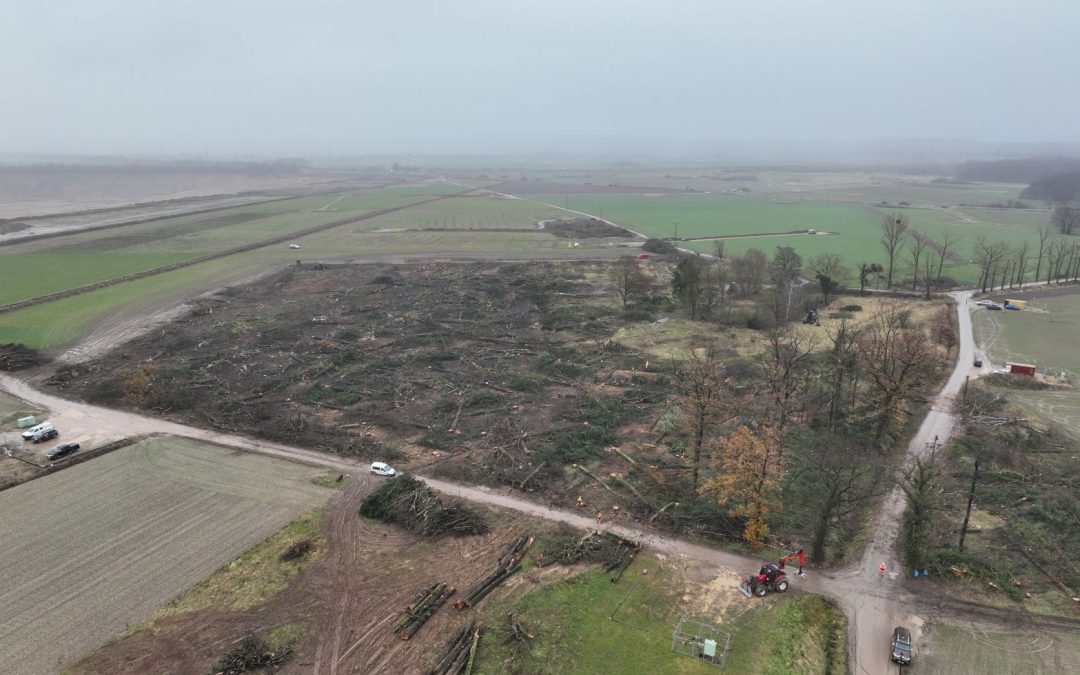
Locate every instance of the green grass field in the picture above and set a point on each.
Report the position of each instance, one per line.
(955, 650)
(1045, 338)
(49, 265)
(919, 193)
(574, 634)
(33, 274)
(855, 227)
(472, 212)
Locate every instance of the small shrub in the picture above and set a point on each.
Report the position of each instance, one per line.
(527, 382)
(841, 315)
(296, 551)
(851, 308)
(251, 654)
(638, 314)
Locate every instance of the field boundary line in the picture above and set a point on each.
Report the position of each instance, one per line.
(150, 219)
(59, 295)
(75, 460)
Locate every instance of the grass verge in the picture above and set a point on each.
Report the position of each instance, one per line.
(792, 634)
(257, 575)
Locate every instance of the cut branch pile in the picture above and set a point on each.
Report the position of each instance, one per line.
(610, 550)
(460, 652)
(426, 603)
(408, 502)
(508, 563)
(516, 636)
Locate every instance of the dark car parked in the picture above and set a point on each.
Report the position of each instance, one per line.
(901, 646)
(61, 450)
(46, 436)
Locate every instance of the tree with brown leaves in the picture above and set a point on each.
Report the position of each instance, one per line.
(752, 466)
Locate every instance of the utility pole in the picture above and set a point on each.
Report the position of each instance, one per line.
(676, 237)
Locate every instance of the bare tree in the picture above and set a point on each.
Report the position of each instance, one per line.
(1044, 235)
(690, 285)
(750, 270)
(785, 370)
(947, 244)
(842, 369)
(1066, 218)
(784, 270)
(1055, 253)
(990, 255)
(867, 270)
(1021, 263)
(918, 245)
(706, 401)
(628, 279)
(830, 271)
(843, 480)
(893, 227)
(896, 357)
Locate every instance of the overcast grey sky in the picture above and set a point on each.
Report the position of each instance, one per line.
(274, 76)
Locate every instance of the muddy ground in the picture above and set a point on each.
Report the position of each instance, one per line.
(347, 601)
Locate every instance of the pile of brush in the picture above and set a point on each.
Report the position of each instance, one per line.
(610, 550)
(410, 503)
(508, 563)
(460, 652)
(426, 603)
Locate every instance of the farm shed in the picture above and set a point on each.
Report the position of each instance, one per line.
(1020, 368)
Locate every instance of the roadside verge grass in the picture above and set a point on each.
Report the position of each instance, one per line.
(257, 575)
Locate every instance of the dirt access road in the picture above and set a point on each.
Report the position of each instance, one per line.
(873, 604)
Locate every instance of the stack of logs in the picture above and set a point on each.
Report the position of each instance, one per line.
(507, 565)
(426, 603)
(460, 652)
(611, 550)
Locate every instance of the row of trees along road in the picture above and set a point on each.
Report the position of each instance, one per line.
(797, 438)
(1000, 265)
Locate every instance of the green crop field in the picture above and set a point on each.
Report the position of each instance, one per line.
(62, 321)
(919, 193)
(955, 650)
(49, 265)
(479, 212)
(33, 274)
(701, 215)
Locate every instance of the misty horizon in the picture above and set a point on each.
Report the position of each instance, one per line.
(481, 78)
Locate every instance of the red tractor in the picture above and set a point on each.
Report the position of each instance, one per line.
(771, 577)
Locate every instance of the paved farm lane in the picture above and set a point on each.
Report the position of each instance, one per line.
(873, 605)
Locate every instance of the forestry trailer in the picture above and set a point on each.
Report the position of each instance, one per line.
(771, 577)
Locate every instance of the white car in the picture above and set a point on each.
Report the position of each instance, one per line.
(383, 469)
(985, 303)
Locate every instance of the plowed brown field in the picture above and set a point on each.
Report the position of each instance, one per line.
(90, 550)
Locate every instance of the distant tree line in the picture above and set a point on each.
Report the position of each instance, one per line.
(1023, 170)
(1058, 188)
(273, 168)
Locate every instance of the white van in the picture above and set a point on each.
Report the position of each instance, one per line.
(39, 429)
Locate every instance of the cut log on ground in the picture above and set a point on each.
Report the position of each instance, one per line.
(509, 562)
